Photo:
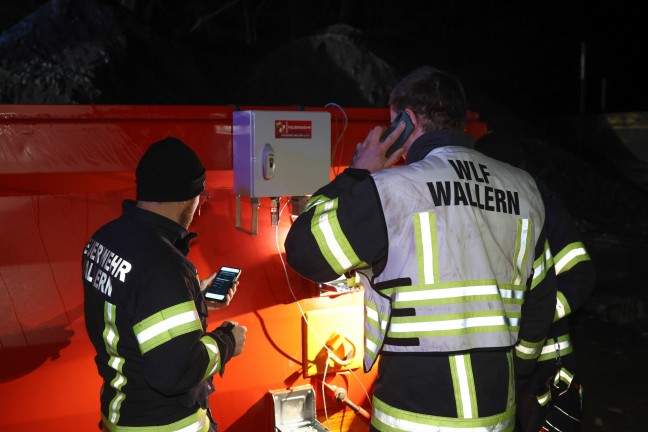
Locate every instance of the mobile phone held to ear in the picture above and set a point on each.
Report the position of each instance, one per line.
(409, 127)
(217, 289)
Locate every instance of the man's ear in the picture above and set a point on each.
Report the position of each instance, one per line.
(412, 117)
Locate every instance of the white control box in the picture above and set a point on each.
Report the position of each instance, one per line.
(281, 153)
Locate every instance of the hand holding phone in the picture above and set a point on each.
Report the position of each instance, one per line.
(222, 282)
(409, 127)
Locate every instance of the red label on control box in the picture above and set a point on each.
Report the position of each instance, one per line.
(293, 129)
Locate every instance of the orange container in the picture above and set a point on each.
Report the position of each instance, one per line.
(64, 171)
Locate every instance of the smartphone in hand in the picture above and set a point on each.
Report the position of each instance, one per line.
(409, 127)
(223, 281)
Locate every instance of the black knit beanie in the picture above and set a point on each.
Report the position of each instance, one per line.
(169, 171)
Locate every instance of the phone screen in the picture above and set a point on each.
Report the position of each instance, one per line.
(217, 290)
(409, 127)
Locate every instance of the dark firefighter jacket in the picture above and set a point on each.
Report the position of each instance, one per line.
(146, 318)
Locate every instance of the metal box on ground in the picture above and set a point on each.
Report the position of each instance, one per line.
(294, 410)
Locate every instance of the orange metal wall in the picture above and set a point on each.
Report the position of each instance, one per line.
(64, 171)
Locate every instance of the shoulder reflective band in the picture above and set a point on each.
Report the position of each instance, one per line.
(315, 201)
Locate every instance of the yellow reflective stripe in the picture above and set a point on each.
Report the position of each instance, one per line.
(370, 345)
(315, 201)
(427, 247)
(390, 419)
(214, 356)
(478, 306)
(528, 350)
(197, 422)
(543, 399)
(562, 306)
(448, 325)
(464, 386)
(569, 256)
(541, 266)
(565, 376)
(166, 324)
(553, 346)
(456, 292)
(452, 291)
(330, 238)
(511, 380)
(512, 293)
(522, 244)
(372, 315)
(376, 321)
(116, 362)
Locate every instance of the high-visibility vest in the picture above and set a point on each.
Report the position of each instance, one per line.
(462, 231)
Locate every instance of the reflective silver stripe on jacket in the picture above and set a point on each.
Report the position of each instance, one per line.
(554, 346)
(116, 362)
(569, 256)
(455, 316)
(167, 324)
(564, 260)
(329, 236)
(197, 422)
(462, 375)
(542, 265)
(377, 311)
(385, 417)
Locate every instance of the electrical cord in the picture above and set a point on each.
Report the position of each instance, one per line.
(339, 138)
(328, 424)
(303, 314)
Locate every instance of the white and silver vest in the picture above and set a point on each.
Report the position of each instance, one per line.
(462, 230)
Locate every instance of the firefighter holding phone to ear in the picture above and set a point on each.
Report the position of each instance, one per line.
(450, 247)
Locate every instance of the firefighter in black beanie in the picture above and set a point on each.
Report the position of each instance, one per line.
(144, 309)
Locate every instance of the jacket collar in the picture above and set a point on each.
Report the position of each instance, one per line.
(169, 230)
(432, 140)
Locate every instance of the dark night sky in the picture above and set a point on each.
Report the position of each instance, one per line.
(524, 55)
(530, 51)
